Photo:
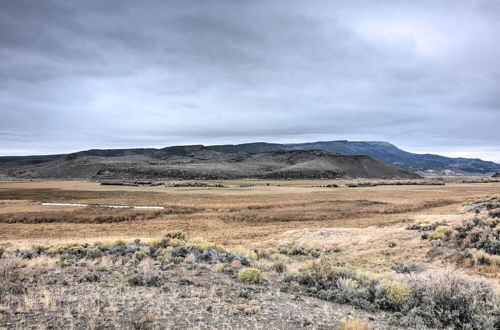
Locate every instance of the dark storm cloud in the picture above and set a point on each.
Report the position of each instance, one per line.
(85, 74)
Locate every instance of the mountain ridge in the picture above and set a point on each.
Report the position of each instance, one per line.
(200, 162)
(427, 164)
(383, 151)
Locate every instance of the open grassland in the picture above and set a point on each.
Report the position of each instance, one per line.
(231, 215)
(290, 254)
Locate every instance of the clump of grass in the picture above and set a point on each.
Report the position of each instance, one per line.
(93, 254)
(442, 233)
(146, 279)
(483, 258)
(494, 213)
(223, 268)
(154, 244)
(39, 249)
(241, 251)
(176, 242)
(65, 261)
(293, 251)
(279, 267)
(204, 245)
(2, 251)
(91, 277)
(66, 248)
(354, 324)
(406, 267)
(248, 309)
(175, 234)
(426, 226)
(392, 243)
(250, 275)
(392, 295)
(120, 242)
(140, 255)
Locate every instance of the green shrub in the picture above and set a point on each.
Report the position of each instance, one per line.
(244, 252)
(484, 258)
(392, 295)
(91, 277)
(176, 242)
(120, 242)
(66, 261)
(457, 301)
(39, 249)
(293, 251)
(145, 279)
(494, 213)
(438, 301)
(64, 248)
(250, 275)
(140, 255)
(93, 254)
(349, 290)
(481, 234)
(406, 267)
(175, 234)
(279, 267)
(135, 280)
(426, 227)
(447, 231)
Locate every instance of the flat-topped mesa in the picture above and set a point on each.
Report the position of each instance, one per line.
(130, 166)
(425, 164)
(150, 152)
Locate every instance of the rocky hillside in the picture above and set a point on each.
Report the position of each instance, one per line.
(199, 162)
(384, 151)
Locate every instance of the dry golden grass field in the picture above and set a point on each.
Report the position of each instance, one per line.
(231, 215)
(358, 220)
(384, 257)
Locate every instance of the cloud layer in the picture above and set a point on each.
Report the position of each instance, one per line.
(85, 74)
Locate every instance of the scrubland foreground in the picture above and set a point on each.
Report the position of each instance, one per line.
(432, 263)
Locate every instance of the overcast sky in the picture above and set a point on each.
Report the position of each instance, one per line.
(423, 75)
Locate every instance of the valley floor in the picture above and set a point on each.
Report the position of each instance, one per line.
(283, 227)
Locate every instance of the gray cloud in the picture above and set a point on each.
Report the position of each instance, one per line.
(85, 74)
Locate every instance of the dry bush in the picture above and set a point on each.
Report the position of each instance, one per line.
(11, 277)
(354, 324)
(450, 299)
(250, 275)
(440, 300)
(482, 234)
(406, 267)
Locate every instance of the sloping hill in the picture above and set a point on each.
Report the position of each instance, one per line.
(383, 151)
(199, 162)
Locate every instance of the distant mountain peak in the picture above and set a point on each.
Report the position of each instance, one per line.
(381, 150)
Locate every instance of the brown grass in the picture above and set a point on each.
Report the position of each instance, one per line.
(89, 215)
(230, 216)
